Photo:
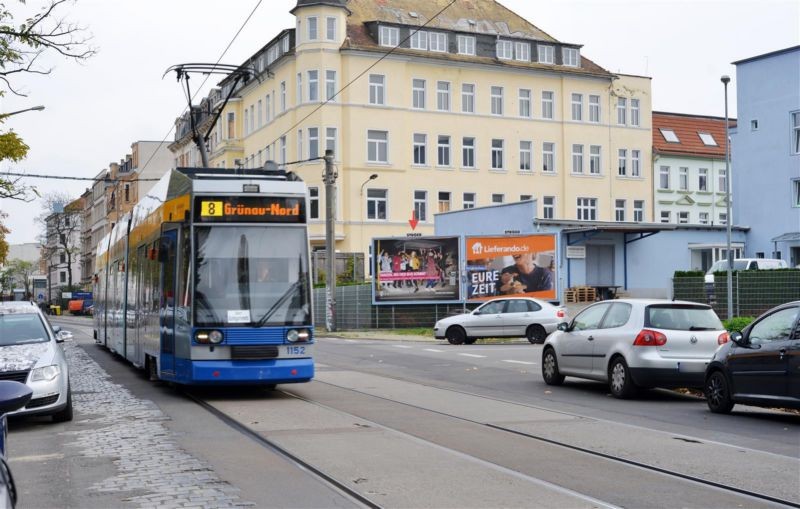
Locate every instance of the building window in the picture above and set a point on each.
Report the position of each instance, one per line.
(330, 85)
(299, 88)
(421, 205)
(259, 114)
(577, 158)
(313, 203)
(546, 54)
(62, 276)
(419, 40)
(377, 92)
(548, 157)
(466, 44)
(313, 86)
(62, 258)
(497, 154)
(468, 98)
(722, 181)
(505, 50)
(468, 152)
(522, 51)
(313, 142)
(311, 23)
(663, 177)
(707, 139)
(377, 146)
(547, 105)
(246, 121)
(577, 107)
(389, 36)
(683, 217)
(268, 107)
(525, 197)
(636, 163)
(420, 149)
(638, 211)
(635, 112)
(548, 207)
(587, 209)
(418, 94)
(376, 203)
(702, 179)
(524, 103)
(283, 150)
(669, 135)
(594, 159)
(570, 57)
(666, 216)
(619, 210)
(330, 139)
(723, 218)
(622, 108)
(754, 125)
(703, 217)
(622, 165)
(594, 108)
(497, 100)
(283, 96)
(796, 192)
(525, 155)
(330, 28)
(444, 201)
(299, 144)
(438, 42)
(469, 200)
(498, 198)
(796, 132)
(443, 151)
(127, 199)
(443, 95)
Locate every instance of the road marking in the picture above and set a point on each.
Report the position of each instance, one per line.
(521, 362)
(401, 346)
(473, 355)
(39, 457)
(433, 350)
(350, 341)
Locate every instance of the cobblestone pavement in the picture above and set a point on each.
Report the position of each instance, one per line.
(152, 470)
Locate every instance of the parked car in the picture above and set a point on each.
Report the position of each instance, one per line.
(760, 366)
(745, 264)
(635, 343)
(521, 317)
(13, 395)
(31, 353)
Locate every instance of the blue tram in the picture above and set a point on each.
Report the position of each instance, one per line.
(206, 280)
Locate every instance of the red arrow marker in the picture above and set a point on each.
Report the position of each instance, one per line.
(413, 221)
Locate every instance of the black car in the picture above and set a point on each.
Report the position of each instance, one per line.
(759, 366)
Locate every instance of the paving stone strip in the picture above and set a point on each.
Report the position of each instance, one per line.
(150, 465)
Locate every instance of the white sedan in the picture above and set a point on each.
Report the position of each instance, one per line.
(515, 317)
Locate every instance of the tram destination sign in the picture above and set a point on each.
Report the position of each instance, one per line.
(249, 209)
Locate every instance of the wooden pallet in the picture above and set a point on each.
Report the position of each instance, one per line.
(585, 294)
(570, 296)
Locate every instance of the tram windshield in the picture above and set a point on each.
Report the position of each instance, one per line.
(251, 276)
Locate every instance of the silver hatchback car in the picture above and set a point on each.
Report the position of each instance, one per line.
(632, 343)
(30, 353)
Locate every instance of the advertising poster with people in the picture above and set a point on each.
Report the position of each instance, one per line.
(520, 266)
(415, 269)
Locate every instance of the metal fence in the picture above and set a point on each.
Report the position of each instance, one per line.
(355, 311)
(753, 291)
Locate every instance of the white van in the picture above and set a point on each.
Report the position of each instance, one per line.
(745, 264)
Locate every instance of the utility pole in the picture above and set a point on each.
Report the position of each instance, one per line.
(728, 219)
(330, 241)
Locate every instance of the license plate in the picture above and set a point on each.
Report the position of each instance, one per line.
(691, 367)
(297, 351)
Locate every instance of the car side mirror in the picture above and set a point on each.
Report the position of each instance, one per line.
(563, 327)
(13, 396)
(738, 338)
(56, 329)
(64, 335)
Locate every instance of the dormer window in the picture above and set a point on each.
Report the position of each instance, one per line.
(466, 45)
(570, 57)
(669, 135)
(708, 139)
(438, 42)
(505, 50)
(522, 51)
(419, 40)
(389, 36)
(546, 54)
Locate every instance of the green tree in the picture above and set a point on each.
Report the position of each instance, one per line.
(18, 275)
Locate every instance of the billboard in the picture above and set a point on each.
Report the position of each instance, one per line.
(415, 269)
(521, 266)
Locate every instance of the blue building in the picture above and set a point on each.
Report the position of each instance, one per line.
(766, 148)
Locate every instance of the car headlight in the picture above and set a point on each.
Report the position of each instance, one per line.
(297, 335)
(46, 373)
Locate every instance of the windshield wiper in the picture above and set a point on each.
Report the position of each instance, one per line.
(695, 327)
(288, 293)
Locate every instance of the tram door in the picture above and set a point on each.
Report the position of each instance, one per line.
(168, 256)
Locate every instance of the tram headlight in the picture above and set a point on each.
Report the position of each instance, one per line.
(215, 337)
(297, 335)
(205, 337)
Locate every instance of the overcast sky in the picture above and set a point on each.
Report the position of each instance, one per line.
(95, 110)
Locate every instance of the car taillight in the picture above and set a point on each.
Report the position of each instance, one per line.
(723, 338)
(560, 313)
(649, 337)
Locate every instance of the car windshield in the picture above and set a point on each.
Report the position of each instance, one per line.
(722, 266)
(682, 317)
(254, 275)
(21, 329)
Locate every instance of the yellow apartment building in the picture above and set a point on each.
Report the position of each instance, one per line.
(427, 113)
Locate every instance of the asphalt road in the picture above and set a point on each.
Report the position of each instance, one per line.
(399, 424)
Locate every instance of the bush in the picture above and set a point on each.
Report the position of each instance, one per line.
(737, 323)
(688, 273)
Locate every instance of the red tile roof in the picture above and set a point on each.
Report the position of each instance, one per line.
(687, 129)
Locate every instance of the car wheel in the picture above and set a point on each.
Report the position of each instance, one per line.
(536, 333)
(470, 341)
(65, 415)
(620, 380)
(456, 335)
(550, 371)
(718, 394)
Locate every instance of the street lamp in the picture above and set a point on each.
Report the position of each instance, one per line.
(725, 80)
(361, 210)
(34, 108)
